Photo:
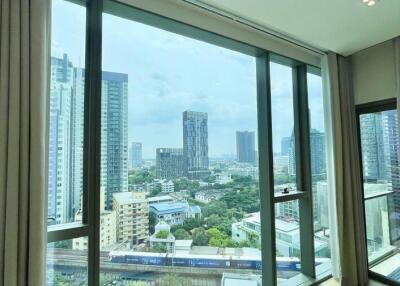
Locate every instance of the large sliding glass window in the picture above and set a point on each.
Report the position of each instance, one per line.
(158, 174)
(378, 127)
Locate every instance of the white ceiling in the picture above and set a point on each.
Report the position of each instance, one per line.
(342, 26)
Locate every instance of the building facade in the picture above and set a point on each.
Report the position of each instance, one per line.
(114, 135)
(170, 163)
(60, 187)
(318, 160)
(245, 147)
(172, 213)
(195, 144)
(132, 212)
(135, 155)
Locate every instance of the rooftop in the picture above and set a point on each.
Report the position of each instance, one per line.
(130, 197)
(167, 207)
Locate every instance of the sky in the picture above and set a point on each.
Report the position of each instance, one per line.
(169, 73)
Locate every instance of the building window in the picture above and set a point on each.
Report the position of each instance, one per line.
(379, 142)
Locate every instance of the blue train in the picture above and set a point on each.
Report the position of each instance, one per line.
(202, 261)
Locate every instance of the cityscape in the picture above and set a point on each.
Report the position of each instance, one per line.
(182, 204)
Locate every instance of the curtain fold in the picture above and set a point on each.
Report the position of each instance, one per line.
(352, 254)
(24, 85)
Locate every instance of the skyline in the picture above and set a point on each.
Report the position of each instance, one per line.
(204, 78)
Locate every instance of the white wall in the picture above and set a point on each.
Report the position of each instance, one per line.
(374, 73)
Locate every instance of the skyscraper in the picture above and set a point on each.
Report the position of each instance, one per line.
(135, 154)
(59, 191)
(245, 146)
(195, 144)
(170, 163)
(317, 148)
(77, 130)
(391, 140)
(114, 135)
(373, 155)
(285, 145)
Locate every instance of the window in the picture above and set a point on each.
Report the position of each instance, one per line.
(159, 167)
(378, 127)
(65, 157)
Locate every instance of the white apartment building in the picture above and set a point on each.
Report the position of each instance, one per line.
(167, 186)
(287, 235)
(132, 212)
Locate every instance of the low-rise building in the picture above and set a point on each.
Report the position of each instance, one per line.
(173, 213)
(160, 199)
(286, 232)
(248, 229)
(209, 195)
(167, 186)
(132, 212)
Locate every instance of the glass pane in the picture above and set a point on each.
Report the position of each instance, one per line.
(380, 160)
(67, 262)
(321, 203)
(287, 236)
(282, 128)
(66, 112)
(185, 196)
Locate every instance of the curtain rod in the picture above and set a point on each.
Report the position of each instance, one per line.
(232, 17)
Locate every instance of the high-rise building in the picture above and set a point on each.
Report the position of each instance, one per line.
(245, 146)
(77, 130)
(114, 135)
(135, 154)
(132, 212)
(60, 199)
(195, 144)
(170, 163)
(317, 146)
(391, 140)
(285, 145)
(373, 156)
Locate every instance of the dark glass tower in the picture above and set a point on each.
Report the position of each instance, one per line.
(245, 146)
(195, 144)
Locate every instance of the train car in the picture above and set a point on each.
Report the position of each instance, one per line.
(205, 261)
(245, 263)
(288, 264)
(199, 261)
(146, 258)
(117, 257)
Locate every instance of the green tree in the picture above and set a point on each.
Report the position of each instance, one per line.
(156, 190)
(173, 280)
(192, 223)
(218, 207)
(200, 237)
(219, 239)
(162, 234)
(181, 233)
(158, 248)
(152, 222)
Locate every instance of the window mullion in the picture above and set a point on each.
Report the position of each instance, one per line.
(93, 133)
(266, 171)
(303, 169)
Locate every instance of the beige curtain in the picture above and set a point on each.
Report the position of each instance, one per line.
(24, 56)
(352, 260)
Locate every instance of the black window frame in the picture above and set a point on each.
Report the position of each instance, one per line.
(360, 109)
